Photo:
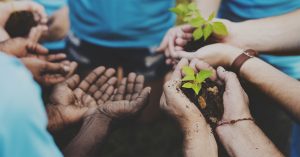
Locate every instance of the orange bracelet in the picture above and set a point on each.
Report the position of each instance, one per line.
(234, 121)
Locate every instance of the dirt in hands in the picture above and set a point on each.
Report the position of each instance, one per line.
(20, 23)
(209, 101)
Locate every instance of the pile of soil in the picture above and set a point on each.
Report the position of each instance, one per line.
(20, 23)
(209, 101)
(194, 45)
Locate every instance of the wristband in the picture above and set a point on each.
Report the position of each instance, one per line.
(241, 59)
(234, 121)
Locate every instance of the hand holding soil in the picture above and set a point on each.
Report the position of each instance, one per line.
(47, 73)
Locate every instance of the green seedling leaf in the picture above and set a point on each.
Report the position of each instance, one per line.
(188, 71)
(197, 22)
(219, 28)
(211, 16)
(192, 7)
(187, 85)
(177, 11)
(203, 75)
(207, 31)
(198, 33)
(196, 88)
(189, 78)
(180, 9)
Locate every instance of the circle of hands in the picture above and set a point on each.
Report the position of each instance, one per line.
(99, 94)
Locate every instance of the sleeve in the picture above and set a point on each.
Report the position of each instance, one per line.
(23, 118)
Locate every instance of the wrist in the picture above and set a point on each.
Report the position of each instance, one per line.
(191, 129)
(231, 53)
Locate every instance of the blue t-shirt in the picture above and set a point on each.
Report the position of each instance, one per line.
(121, 23)
(240, 10)
(23, 118)
(51, 6)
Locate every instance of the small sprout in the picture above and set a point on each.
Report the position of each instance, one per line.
(194, 81)
(189, 13)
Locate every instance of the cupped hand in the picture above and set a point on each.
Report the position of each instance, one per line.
(72, 98)
(47, 73)
(235, 99)
(128, 99)
(176, 104)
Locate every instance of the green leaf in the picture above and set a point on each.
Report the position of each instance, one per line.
(192, 7)
(212, 16)
(180, 9)
(188, 71)
(198, 33)
(207, 31)
(197, 22)
(197, 88)
(177, 11)
(203, 75)
(219, 28)
(187, 85)
(189, 78)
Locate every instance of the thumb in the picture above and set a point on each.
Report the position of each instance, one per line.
(164, 44)
(36, 48)
(231, 81)
(185, 54)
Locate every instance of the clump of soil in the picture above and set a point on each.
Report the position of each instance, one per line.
(209, 101)
(194, 45)
(20, 23)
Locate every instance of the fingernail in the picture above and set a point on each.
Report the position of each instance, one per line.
(66, 68)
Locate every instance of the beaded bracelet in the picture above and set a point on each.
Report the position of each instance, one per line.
(234, 121)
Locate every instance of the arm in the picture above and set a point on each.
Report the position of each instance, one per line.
(206, 7)
(274, 35)
(242, 138)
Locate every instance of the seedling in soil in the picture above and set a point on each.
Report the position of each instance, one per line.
(206, 94)
(204, 28)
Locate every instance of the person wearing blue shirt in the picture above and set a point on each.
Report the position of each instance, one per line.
(23, 130)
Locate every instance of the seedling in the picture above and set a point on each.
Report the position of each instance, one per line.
(189, 13)
(194, 81)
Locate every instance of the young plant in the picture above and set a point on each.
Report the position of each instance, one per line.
(189, 13)
(194, 81)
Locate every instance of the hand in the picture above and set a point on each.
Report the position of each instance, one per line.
(73, 98)
(47, 73)
(236, 102)
(176, 104)
(21, 47)
(215, 54)
(130, 98)
(8, 8)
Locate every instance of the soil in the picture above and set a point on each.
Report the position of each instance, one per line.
(209, 101)
(20, 23)
(193, 45)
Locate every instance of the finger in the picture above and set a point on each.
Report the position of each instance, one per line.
(187, 29)
(231, 81)
(178, 48)
(36, 48)
(199, 65)
(56, 57)
(73, 66)
(98, 91)
(106, 95)
(138, 86)
(56, 68)
(31, 6)
(180, 42)
(73, 81)
(168, 61)
(177, 74)
(36, 33)
(171, 46)
(167, 53)
(142, 100)
(52, 79)
(107, 75)
(130, 85)
(91, 78)
(121, 90)
(164, 43)
(184, 54)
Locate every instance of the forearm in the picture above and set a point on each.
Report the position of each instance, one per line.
(89, 138)
(274, 83)
(207, 7)
(199, 141)
(245, 139)
(275, 35)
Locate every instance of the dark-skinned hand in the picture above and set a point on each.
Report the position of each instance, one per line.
(72, 98)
